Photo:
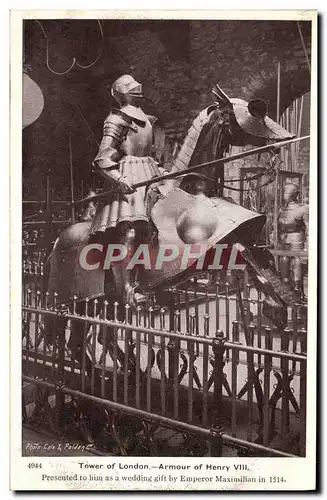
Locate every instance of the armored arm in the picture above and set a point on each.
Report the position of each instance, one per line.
(306, 224)
(115, 130)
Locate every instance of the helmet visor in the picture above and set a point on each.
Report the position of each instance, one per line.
(136, 91)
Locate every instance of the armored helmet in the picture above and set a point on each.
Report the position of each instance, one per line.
(291, 191)
(125, 85)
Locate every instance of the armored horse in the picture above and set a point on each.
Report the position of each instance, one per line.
(190, 209)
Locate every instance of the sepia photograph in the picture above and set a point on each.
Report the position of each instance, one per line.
(168, 201)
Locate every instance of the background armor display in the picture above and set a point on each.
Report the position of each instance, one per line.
(293, 224)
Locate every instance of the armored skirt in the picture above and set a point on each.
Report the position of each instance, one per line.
(126, 208)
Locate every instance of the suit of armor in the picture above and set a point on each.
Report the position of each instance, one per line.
(124, 158)
(293, 230)
(293, 224)
(124, 155)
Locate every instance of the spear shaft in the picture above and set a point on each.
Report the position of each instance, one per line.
(190, 170)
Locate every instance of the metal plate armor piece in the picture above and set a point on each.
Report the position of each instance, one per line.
(252, 116)
(139, 139)
(125, 84)
(182, 218)
(67, 277)
(115, 130)
(293, 225)
(125, 152)
(184, 156)
(126, 132)
(116, 125)
(254, 124)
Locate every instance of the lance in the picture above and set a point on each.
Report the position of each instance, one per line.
(190, 170)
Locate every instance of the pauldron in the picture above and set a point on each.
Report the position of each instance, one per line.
(117, 125)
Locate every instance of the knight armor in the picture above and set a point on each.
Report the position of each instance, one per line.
(125, 157)
(123, 86)
(125, 154)
(293, 220)
(293, 224)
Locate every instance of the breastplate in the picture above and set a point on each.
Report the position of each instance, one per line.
(139, 138)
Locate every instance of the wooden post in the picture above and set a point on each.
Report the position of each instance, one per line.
(275, 238)
(299, 127)
(71, 177)
(287, 149)
(293, 130)
(278, 92)
(48, 212)
(282, 152)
